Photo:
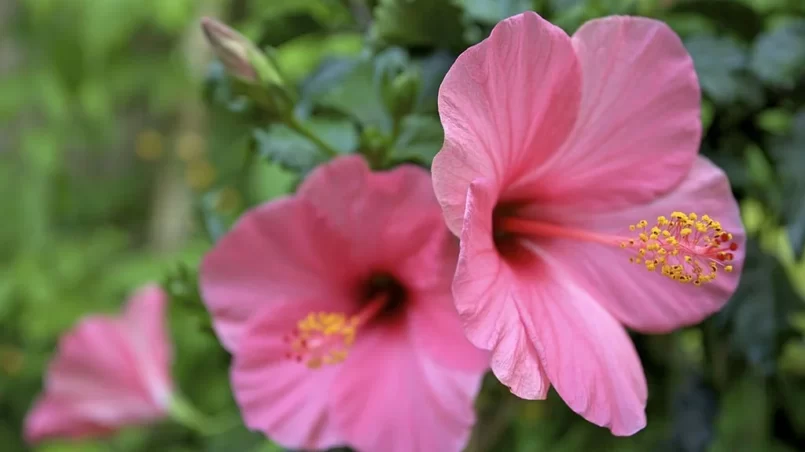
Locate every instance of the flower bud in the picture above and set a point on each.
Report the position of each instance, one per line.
(400, 93)
(232, 48)
(255, 69)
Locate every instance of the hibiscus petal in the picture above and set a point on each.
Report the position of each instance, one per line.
(390, 398)
(587, 354)
(97, 374)
(284, 399)
(506, 106)
(386, 216)
(639, 124)
(51, 419)
(282, 250)
(652, 302)
(484, 291)
(145, 321)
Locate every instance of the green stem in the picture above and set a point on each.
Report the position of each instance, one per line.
(292, 122)
(185, 414)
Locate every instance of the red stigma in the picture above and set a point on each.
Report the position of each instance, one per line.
(724, 237)
(733, 246)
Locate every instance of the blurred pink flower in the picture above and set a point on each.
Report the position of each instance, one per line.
(336, 305)
(108, 373)
(553, 147)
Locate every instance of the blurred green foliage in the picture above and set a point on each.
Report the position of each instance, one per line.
(113, 172)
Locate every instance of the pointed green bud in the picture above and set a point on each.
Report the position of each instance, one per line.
(400, 93)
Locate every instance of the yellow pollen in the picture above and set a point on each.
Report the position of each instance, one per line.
(322, 338)
(687, 248)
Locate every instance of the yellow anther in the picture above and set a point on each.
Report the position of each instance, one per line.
(322, 338)
(688, 248)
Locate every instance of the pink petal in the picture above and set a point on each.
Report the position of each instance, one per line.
(386, 216)
(587, 354)
(388, 398)
(145, 318)
(639, 125)
(435, 326)
(652, 302)
(108, 373)
(284, 249)
(98, 375)
(284, 399)
(437, 329)
(486, 299)
(51, 419)
(506, 106)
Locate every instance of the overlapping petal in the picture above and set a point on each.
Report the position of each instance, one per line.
(280, 397)
(435, 413)
(638, 128)
(284, 249)
(650, 302)
(506, 106)
(485, 290)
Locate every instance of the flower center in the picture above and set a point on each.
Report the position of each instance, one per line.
(685, 248)
(322, 338)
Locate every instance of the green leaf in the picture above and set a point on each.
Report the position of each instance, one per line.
(420, 139)
(493, 11)
(294, 152)
(744, 420)
(419, 23)
(350, 87)
(728, 14)
(695, 407)
(778, 56)
(757, 315)
(433, 69)
(301, 55)
(721, 64)
(789, 154)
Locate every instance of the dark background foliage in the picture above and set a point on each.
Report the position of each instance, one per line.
(125, 151)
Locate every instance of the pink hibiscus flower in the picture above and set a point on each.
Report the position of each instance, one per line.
(336, 305)
(566, 169)
(108, 373)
